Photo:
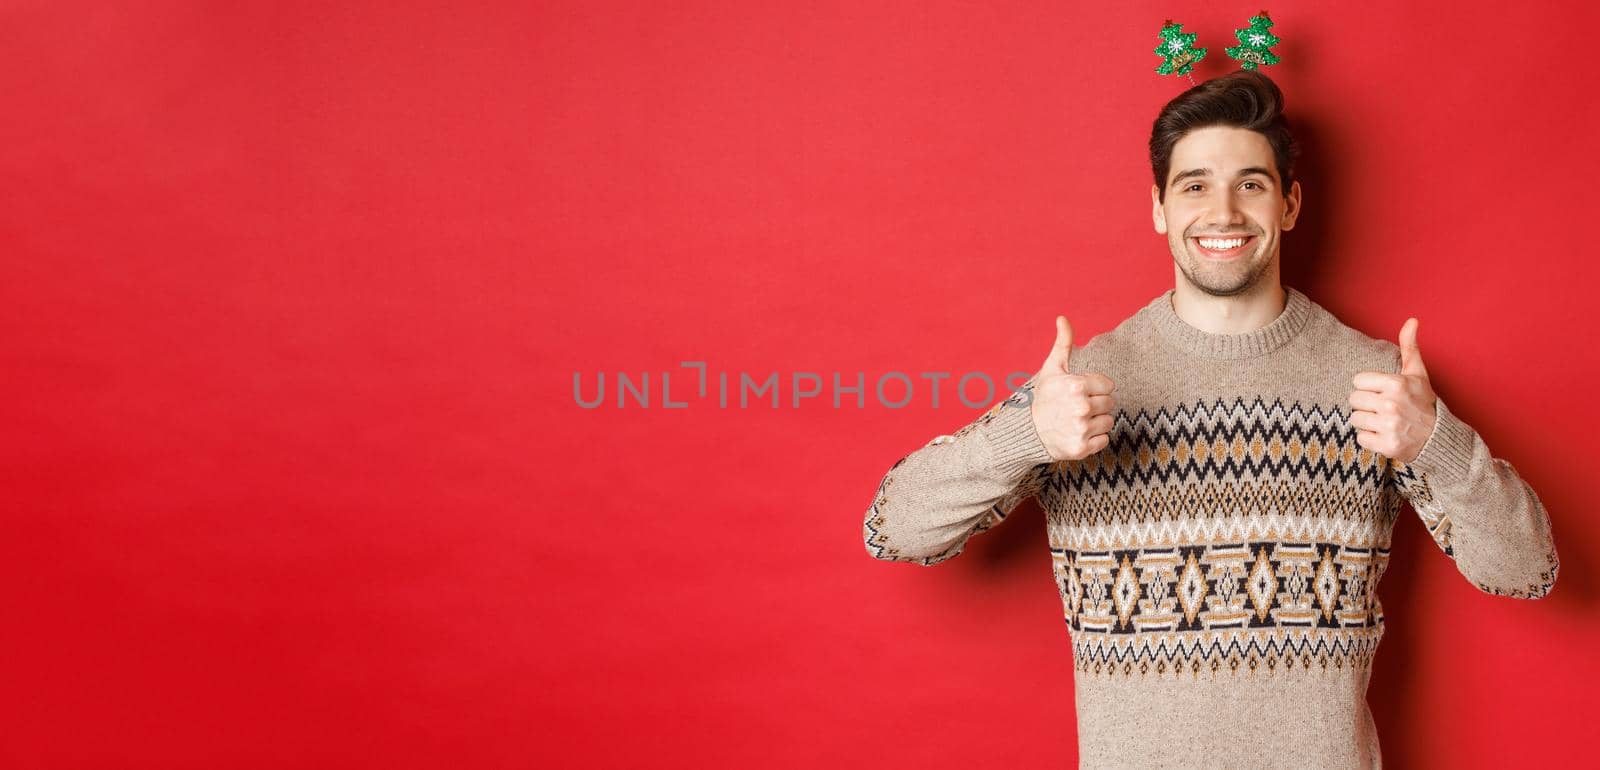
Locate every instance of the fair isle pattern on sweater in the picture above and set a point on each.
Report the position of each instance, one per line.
(1288, 583)
(1227, 544)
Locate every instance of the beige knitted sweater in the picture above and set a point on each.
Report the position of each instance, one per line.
(1221, 555)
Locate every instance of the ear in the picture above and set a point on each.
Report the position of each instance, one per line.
(1156, 213)
(1292, 210)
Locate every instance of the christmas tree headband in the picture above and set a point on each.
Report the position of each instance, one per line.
(1179, 54)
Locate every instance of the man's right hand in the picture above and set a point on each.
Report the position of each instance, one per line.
(1071, 412)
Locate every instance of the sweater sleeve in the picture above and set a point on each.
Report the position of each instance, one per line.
(1479, 511)
(936, 498)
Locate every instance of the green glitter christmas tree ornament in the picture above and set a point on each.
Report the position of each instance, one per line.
(1255, 43)
(1178, 51)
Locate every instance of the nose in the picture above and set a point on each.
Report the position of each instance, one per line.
(1225, 212)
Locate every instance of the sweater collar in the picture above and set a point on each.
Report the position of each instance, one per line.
(1296, 311)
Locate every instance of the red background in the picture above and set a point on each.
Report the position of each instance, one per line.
(294, 295)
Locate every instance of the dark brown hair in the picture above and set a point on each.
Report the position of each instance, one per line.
(1243, 99)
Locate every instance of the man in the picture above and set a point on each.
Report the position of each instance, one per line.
(1221, 474)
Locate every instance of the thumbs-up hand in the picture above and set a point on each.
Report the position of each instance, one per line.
(1071, 412)
(1394, 413)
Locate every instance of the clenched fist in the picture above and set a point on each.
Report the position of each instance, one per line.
(1071, 412)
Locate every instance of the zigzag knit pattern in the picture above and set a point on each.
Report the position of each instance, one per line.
(1221, 536)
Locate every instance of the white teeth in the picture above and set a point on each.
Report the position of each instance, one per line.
(1222, 245)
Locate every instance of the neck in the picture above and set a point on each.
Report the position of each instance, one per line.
(1259, 340)
(1235, 314)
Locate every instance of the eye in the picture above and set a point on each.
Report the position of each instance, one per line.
(1192, 187)
(1257, 184)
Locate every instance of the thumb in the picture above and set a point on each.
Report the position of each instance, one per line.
(1061, 351)
(1410, 354)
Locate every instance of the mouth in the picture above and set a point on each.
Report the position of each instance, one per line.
(1223, 248)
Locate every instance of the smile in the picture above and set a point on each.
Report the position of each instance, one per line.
(1223, 248)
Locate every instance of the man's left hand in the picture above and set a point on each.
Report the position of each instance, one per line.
(1394, 413)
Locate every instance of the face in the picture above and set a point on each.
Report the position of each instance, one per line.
(1223, 188)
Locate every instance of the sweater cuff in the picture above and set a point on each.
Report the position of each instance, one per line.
(1013, 441)
(1447, 454)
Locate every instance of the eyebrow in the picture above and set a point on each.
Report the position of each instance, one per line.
(1243, 172)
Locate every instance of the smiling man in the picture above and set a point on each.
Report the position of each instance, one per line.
(1223, 220)
(1221, 474)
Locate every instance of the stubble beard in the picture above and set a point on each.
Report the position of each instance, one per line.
(1223, 279)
